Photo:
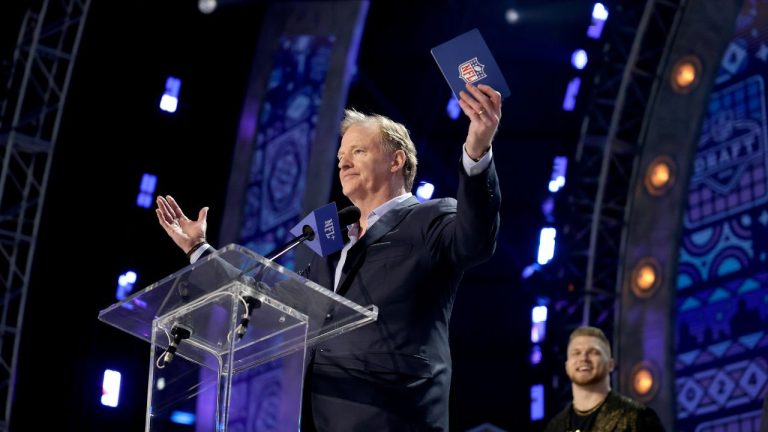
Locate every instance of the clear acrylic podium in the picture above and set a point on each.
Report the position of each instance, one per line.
(202, 307)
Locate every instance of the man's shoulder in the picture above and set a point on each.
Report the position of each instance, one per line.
(429, 210)
(646, 414)
(438, 204)
(619, 400)
(559, 422)
(647, 419)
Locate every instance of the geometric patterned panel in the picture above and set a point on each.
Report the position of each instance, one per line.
(722, 284)
(286, 127)
(730, 166)
(273, 198)
(288, 131)
(710, 319)
(711, 390)
(746, 422)
(255, 398)
(716, 251)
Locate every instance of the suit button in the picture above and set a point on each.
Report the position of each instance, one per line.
(328, 317)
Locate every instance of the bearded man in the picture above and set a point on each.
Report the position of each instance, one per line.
(595, 407)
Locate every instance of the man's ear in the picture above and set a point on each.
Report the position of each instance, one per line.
(398, 160)
(611, 365)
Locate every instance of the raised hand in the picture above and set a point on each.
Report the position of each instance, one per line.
(482, 104)
(185, 232)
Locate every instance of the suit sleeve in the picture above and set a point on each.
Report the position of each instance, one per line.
(465, 232)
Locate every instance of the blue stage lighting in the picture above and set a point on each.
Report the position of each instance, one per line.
(546, 245)
(453, 109)
(548, 208)
(170, 99)
(110, 388)
(599, 16)
(144, 200)
(537, 402)
(569, 102)
(539, 314)
(530, 270)
(535, 355)
(599, 12)
(559, 167)
(207, 6)
(146, 190)
(183, 417)
(556, 183)
(125, 284)
(538, 324)
(579, 59)
(512, 16)
(424, 191)
(148, 183)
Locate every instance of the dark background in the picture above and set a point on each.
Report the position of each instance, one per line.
(113, 132)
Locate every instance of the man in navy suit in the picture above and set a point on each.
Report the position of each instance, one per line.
(405, 257)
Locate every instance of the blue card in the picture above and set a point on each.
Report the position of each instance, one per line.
(467, 59)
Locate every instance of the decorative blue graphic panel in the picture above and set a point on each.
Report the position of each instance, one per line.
(272, 206)
(722, 290)
(286, 129)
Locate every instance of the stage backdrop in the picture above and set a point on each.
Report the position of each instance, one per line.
(283, 167)
(722, 293)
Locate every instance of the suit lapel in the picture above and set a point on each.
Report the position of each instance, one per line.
(384, 225)
(330, 266)
(610, 413)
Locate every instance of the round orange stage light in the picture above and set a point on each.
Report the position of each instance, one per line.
(644, 381)
(660, 175)
(646, 277)
(685, 74)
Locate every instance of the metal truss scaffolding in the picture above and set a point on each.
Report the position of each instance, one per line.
(30, 115)
(636, 37)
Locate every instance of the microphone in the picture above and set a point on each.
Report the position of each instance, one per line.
(307, 233)
(325, 243)
(179, 333)
(348, 216)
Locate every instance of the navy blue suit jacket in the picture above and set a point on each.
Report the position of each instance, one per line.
(395, 373)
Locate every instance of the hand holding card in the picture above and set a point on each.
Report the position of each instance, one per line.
(467, 59)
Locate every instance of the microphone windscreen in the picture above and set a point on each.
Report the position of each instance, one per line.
(348, 216)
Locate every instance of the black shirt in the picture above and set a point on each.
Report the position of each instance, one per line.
(582, 423)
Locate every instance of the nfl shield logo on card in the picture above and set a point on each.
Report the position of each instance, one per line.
(471, 71)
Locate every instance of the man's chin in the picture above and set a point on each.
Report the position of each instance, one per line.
(586, 380)
(349, 192)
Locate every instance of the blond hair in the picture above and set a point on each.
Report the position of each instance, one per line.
(393, 136)
(592, 332)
